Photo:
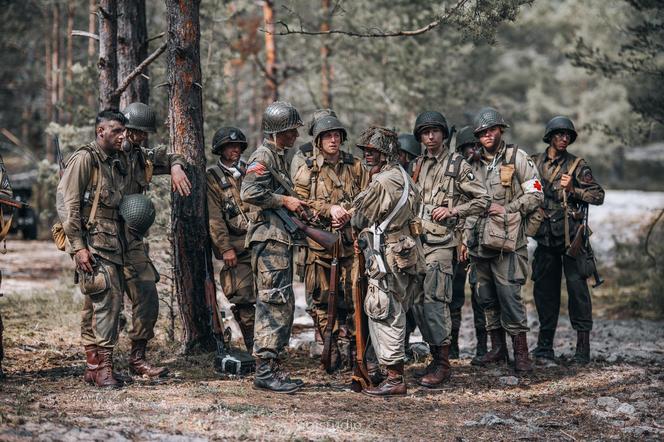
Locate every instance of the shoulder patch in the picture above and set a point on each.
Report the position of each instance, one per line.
(470, 176)
(530, 162)
(257, 168)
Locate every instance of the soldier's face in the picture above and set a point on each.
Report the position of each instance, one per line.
(490, 138)
(470, 152)
(286, 139)
(560, 140)
(330, 142)
(432, 137)
(110, 135)
(133, 137)
(371, 157)
(231, 153)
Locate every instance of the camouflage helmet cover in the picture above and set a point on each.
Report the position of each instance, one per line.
(326, 124)
(464, 137)
(140, 116)
(382, 139)
(488, 117)
(317, 115)
(138, 212)
(227, 135)
(430, 119)
(280, 116)
(408, 143)
(559, 123)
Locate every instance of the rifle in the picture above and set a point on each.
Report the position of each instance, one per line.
(237, 363)
(581, 242)
(293, 225)
(360, 379)
(328, 336)
(58, 156)
(6, 201)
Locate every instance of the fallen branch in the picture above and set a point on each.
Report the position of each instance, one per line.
(76, 33)
(379, 34)
(139, 70)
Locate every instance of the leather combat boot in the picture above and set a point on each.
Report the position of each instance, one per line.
(91, 363)
(544, 349)
(498, 351)
(139, 365)
(268, 377)
(376, 375)
(103, 375)
(454, 345)
(480, 347)
(582, 355)
(522, 363)
(394, 385)
(441, 371)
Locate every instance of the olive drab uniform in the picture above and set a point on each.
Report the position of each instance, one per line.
(87, 169)
(5, 190)
(229, 221)
(271, 251)
(446, 180)
(501, 274)
(550, 259)
(323, 184)
(390, 297)
(140, 273)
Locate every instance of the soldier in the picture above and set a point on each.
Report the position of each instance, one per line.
(140, 274)
(383, 215)
(568, 186)
(466, 145)
(5, 190)
(88, 198)
(450, 192)
(512, 181)
(266, 186)
(409, 149)
(228, 227)
(295, 158)
(328, 182)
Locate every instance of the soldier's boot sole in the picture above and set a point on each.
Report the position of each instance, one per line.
(289, 391)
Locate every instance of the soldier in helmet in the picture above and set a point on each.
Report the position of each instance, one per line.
(466, 145)
(140, 274)
(383, 215)
(297, 157)
(87, 199)
(328, 182)
(5, 190)
(450, 192)
(566, 179)
(228, 227)
(267, 186)
(409, 149)
(512, 181)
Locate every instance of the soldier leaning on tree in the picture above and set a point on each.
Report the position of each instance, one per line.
(450, 192)
(5, 190)
(383, 215)
(511, 179)
(271, 245)
(229, 221)
(569, 185)
(328, 181)
(88, 200)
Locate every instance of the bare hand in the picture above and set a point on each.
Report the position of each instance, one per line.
(294, 205)
(340, 216)
(179, 181)
(463, 253)
(496, 209)
(566, 182)
(84, 260)
(230, 258)
(440, 213)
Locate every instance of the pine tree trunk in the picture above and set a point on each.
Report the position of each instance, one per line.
(92, 48)
(191, 243)
(326, 69)
(108, 65)
(271, 92)
(48, 77)
(55, 60)
(69, 75)
(132, 49)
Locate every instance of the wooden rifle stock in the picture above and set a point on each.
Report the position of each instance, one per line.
(360, 379)
(326, 239)
(328, 333)
(6, 201)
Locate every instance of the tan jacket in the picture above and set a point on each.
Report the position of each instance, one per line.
(5, 187)
(74, 198)
(227, 213)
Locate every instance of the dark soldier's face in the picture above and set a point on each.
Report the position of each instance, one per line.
(286, 139)
(231, 153)
(110, 134)
(432, 137)
(490, 138)
(470, 152)
(560, 140)
(405, 158)
(133, 137)
(371, 157)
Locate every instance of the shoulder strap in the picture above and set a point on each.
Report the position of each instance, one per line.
(453, 166)
(574, 165)
(219, 176)
(418, 168)
(96, 176)
(402, 201)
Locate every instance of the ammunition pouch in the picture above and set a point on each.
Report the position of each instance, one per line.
(94, 283)
(374, 263)
(557, 223)
(404, 252)
(534, 222)
(585, 264)
(501, 232)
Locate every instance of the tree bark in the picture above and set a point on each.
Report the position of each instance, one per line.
(108, 65)
(132, 49)
(92, 49)
(69, 74)
(326, 69)
(191, 243)
(271, 92)
(55, 60)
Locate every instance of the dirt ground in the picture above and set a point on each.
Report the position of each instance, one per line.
(618, 396)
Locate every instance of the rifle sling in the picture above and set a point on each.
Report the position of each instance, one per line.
(95, 202)
(566, 221)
